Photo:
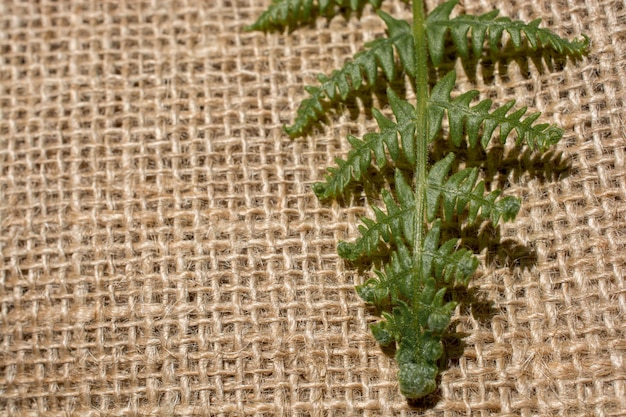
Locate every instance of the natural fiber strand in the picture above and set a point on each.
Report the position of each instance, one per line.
(162, 252)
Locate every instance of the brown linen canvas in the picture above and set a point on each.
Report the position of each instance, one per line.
(162, 252)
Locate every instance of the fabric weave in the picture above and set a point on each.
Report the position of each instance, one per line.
(162, 252)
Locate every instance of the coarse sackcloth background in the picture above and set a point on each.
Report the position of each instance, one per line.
(162, 252)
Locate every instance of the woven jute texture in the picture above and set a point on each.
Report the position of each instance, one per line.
(162, 252)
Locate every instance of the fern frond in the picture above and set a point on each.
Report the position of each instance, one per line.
(490, 26)
(417, 322)
(394, 282)
(405, 235)
(395, 225)
(287, 13)
(444, 262)
(418, 347)
(419, 315)
(396, 137)
(361, 71)
(461, 190)
(423, 311)
(470, 120)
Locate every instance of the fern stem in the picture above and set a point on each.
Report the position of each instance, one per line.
(421, 128)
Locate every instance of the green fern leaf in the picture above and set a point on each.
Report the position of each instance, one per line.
(462, 118)
(394, 225)
(492, 27)
(394, 282)
(405, 235)
(396, 137)
(427, 314)
(288, 13)
(461, 190)
(362, 71)
(417, 359)
(443, 262)
(417, 328)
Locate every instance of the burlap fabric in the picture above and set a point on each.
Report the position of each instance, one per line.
(163, 254)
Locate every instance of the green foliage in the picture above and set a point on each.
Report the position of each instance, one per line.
(286, 13)
(394, 141)
(490, 26)
(479, 125)
(419, 266)
(362, 71)
(461, 190)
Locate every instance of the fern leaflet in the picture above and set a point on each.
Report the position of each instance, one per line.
(394, 137)
(469, 120)
(490, 26)
(286, 13)
(461, 190)
(360, 72)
